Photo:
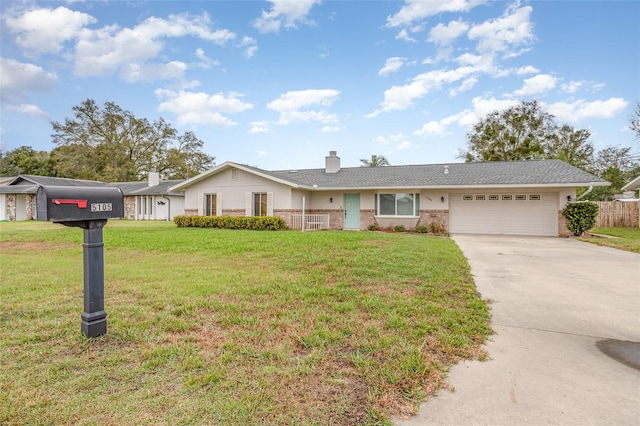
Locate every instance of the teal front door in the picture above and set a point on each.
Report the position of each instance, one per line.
(352, 211)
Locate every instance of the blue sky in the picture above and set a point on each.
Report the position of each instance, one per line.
(278, 84)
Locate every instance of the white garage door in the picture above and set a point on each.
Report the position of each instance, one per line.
(520, 213)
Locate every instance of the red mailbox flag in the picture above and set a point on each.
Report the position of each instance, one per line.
(82, 204)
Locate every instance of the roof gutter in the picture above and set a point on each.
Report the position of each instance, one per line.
(458, 187)
(585, 192)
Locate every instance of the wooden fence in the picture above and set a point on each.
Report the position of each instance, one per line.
(618, 214)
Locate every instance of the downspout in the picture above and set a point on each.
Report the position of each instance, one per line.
(168, 206)
(585, 192)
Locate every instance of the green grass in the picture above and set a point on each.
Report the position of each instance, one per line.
(231, 327)
(626, 238)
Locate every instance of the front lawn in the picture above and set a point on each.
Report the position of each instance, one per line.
(231, 327)
(626, 238)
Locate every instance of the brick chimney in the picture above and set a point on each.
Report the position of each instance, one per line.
(332, 163)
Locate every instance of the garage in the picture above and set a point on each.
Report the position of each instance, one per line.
(517, 213)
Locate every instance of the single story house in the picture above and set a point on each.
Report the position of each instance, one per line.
(150, 200)
(516, 198)
(634, 185)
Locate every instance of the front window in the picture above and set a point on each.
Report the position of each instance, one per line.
(400, 204)
(210, 204)
(260, 204)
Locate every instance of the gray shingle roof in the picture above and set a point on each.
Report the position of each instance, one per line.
(512, 173)
(143, 188)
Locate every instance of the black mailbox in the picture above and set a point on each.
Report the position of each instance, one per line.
(75, 203)
(88, 208)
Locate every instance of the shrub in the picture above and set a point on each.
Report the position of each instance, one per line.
(580, 216)
(399, 228)
(254, 223)
(421, 229)
(373, 227)
(437, 228)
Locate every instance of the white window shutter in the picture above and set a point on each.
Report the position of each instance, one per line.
(269, 203)
(247, 204)
(219, 204)
(200, 204)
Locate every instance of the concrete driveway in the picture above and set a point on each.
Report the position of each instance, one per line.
(559, 306)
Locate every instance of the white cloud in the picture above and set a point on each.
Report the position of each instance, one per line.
(285, 12)
(205, 61)
(404, 145)
(110, 49)
(402, 97)
(446, 34)
(581, 110)
(415, 10)
(468, 117)
(259, 127)
(18, 79)
(391, 65)
(293, 105)
(479, 61)
(390, 139)
(404, 35)
(29, 109)
(527, 70)
(46, 30)
(572, 86)
(330, 129)
(467, 84)
(261, 153)
(202, 108)
(135, 72)
(250, 45)
(539, 84)
(432, 128)
(511, 30)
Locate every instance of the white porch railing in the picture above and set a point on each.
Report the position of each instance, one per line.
(312, 222)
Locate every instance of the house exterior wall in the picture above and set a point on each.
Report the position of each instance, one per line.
(234, 186)
(163, 207)
(11, 206)
(130, 207)
(3, 207)
(31, 207)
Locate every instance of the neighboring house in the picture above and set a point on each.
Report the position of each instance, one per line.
(150, 200)
(518, 198)
(634, 185)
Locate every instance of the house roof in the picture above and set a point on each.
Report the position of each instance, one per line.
(143, 188)
(633, 185)
(28, 184)
(481, 175)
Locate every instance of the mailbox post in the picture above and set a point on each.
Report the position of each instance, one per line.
(87, 208)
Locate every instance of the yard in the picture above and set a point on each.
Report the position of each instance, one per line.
(231, 327)
(623, 238)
